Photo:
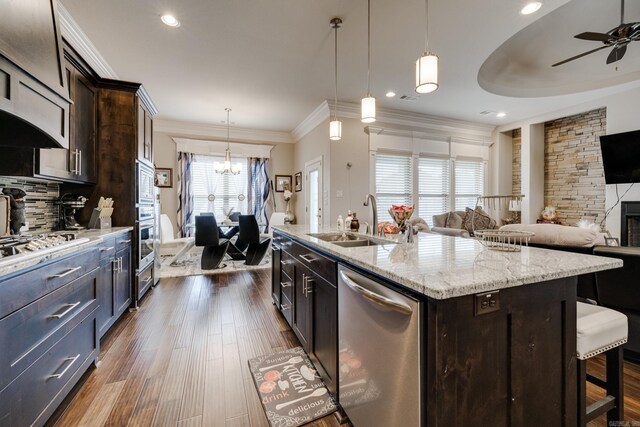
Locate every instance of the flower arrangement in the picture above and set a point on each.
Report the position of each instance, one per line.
(401, 214)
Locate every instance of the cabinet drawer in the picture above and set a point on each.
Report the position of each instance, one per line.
(31, 285)
(23, 401)
(123, 241)
(107, 248)
(283, 242)
(287, 309)
(286, 264)
(286, 285)
(145, 280)
(319, 264)
(26, 334)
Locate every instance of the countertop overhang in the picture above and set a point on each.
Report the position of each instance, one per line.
(442, 267)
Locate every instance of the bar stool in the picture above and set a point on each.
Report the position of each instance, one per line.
(600, 330)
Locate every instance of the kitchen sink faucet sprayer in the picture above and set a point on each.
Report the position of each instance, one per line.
(374, 208)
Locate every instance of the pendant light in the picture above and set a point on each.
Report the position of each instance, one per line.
(227, 168)
(427, 64)
(335, 126)
(368, 102)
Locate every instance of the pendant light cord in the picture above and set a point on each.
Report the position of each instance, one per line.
(335, 99)
(369, 48)
(426, 25)
(228, 110)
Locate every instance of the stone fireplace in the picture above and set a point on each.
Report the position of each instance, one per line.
(630, 226)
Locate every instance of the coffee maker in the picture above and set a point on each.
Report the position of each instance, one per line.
(68, 204)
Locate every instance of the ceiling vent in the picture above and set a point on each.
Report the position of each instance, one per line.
(408, 98)
(486, 112)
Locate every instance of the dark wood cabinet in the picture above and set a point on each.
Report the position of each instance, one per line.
(114, 283)
(302, 306)
(48, 334)
(304, 288)
(324, 331)
(78, 162)
(145, 135)
(34, 100)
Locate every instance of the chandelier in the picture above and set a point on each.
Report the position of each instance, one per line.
(227, 168)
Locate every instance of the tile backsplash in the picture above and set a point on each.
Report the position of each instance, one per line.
(40, 210)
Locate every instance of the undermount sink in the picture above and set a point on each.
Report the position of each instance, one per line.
(350, 240)
(336, 237)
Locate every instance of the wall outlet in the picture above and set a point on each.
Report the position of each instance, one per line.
(339, 194)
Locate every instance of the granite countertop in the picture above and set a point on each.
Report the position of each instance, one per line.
(442, 267)
(85, 238)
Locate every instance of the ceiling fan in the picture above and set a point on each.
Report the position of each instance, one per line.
(617, 38)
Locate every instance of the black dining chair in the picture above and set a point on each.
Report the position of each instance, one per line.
(214, 248)
(249, 243)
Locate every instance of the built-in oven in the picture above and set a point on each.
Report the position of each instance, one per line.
(146, 242)
(145, 185)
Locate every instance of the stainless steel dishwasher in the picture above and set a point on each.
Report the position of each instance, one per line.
(379, 353)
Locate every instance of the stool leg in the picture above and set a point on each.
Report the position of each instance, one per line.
(582, 393)
(615, 383)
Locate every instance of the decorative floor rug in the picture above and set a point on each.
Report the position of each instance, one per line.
(189, 265)
(290, 389)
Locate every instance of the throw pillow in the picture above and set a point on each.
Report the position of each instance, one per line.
(453, 220)
(477, 219)
(440, 220)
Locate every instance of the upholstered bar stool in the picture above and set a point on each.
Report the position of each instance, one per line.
(600, 330)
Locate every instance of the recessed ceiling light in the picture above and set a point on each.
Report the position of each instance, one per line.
(170, 20)
(391, 94)
(501, 115)
(530, 7)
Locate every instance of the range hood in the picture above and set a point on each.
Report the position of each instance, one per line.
(34, 97)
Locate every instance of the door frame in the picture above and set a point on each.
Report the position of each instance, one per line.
(307, 166)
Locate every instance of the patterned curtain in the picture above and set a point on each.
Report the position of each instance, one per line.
(259, 190)
(185, 193)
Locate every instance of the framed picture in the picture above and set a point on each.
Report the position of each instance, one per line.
(283, 182)
(298, 181)
(164, 177)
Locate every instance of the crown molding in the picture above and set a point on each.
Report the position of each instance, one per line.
(74, 35)
(317, 116)
(206, 130)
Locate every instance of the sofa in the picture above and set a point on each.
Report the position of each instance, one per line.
(618, 289)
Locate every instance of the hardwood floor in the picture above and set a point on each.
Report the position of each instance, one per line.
(181, 359)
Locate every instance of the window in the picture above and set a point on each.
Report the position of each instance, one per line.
(394, 182)
(441, 184)
(469, 183)
(217, 193)
(434, 186)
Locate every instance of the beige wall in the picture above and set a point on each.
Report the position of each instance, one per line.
(166, 155)
(313, 145)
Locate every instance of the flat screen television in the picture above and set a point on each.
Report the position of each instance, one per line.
(621, 157)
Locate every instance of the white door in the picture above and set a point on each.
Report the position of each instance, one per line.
(313, 173)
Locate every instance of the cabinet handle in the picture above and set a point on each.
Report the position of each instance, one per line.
(285, 262)
(309, 258)
(64, 371)
(120, 265)
(285, 284)
(309, 287)
(66, 273)
(79, 162)
(286, 306)
(106, 249)
(67, 311)
(125, 241)
(147, 280)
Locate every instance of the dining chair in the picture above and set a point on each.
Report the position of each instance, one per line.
(214, 248)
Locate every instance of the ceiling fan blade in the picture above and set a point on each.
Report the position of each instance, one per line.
(596, 37)
(580, 56)
(616, 54)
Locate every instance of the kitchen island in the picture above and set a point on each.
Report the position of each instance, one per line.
(495, 333)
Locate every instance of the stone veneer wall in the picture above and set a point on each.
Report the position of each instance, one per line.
(516, 169)
(40, 210)
(573, 173)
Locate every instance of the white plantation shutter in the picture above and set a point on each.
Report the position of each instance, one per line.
(469, 182)
(225, 188)
(433, 187)
(394, 182)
